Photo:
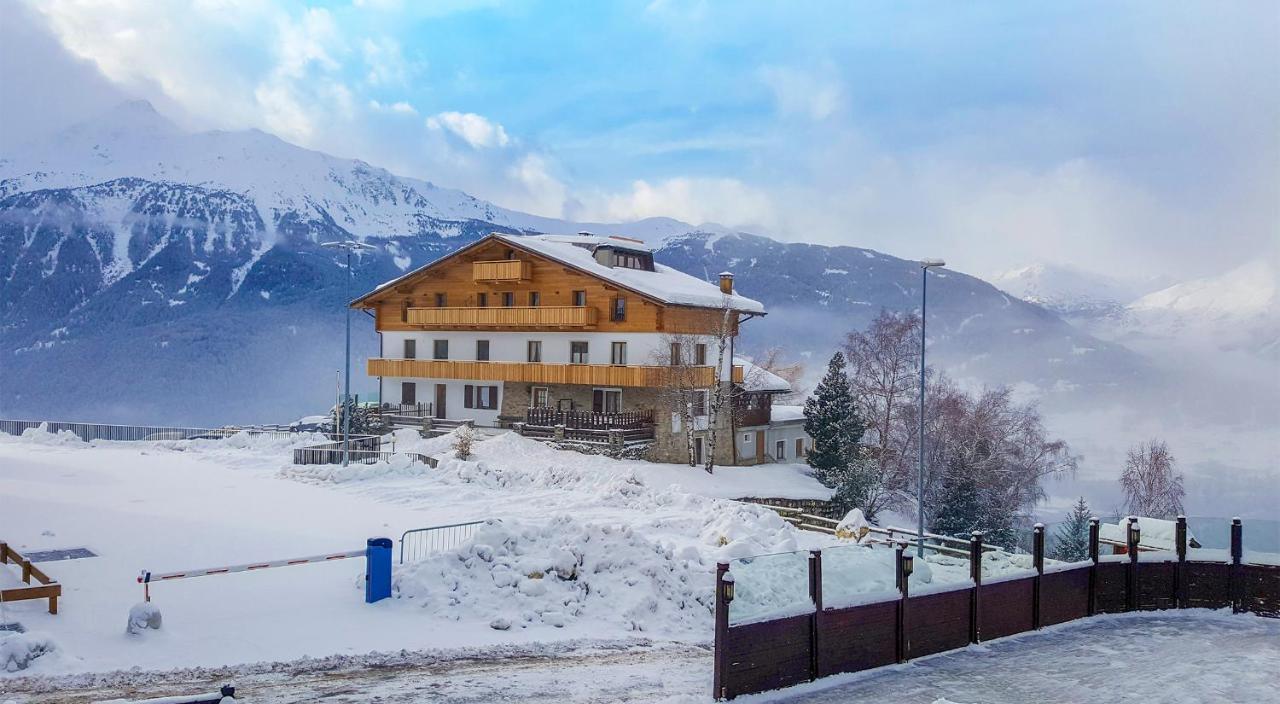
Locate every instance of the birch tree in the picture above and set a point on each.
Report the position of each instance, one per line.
(1152, 485)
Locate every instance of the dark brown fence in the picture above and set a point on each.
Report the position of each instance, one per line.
(589, 420)
(794, 648)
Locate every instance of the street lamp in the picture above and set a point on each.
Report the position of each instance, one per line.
(925, 266)
(349, 246)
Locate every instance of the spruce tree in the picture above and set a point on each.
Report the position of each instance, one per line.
(960, 510)
(1072, 538)
(831, 418)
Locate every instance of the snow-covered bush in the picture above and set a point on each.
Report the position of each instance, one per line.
(17, 650)
(463, 438)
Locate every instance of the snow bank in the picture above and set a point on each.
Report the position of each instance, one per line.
(399, 465)
(18, 650)
(516, 575)
(40, 435)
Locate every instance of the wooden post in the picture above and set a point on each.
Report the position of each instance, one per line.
(4, 553)
(1180, 569)
(975, 573)
(1237, 555)
(1093, 571)
(1037, 558)
(815, 593)
(722, 634)
(1131, 575)
(26, 570)
(901, 580)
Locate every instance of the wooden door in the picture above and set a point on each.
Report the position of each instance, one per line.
(441, 390)
(759, 445)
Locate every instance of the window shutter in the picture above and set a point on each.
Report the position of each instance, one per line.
(468, 396)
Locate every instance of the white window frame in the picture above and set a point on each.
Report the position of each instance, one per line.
(607, 390)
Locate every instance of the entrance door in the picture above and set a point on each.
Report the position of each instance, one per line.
(408, 393)
(697, 451)
(760, 446)
(440, 395)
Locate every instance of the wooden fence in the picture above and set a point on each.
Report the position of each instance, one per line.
(549, 417)
(47, 588)
(136, 433)
(817, 642)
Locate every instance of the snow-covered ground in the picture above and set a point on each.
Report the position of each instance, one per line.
(585, 547)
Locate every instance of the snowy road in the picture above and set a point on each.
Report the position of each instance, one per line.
(1189, 656)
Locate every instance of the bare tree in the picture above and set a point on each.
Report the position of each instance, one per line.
(681, 383)
(884, 372)
(774, 361)
(1152, 486)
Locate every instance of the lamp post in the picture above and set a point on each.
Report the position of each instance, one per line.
(349, 246)
(925, 266)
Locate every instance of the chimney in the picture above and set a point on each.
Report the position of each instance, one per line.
(726, 282)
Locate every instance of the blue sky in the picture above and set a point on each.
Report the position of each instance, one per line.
(1129, 138)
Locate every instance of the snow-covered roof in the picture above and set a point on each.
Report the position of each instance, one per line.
(760, 379)
(779, 414)
(662, 284)
(1157, 533)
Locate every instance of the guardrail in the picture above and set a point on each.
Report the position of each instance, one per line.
(135, 433)
(808, 639)
(821, 524)
(424, 541)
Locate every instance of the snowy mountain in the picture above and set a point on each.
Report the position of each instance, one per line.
(133, 253)
(1074, 293)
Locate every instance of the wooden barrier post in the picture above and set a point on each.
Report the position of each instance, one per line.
(1093, 571)
(975, 573)
(1237, 555)
(1037, 558)
(1132, 538)
(815, 593)
(901, 580)
(1180, 569)
(722, 632)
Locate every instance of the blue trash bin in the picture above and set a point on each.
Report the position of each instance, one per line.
(377, 573)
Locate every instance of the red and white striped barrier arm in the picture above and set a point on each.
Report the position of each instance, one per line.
(147, 577)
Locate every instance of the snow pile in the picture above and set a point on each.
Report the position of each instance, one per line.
(516, 575)
(40, 435)
(398, 465)
(18, 650)
(853, 526)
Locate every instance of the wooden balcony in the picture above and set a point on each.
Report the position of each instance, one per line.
(589, 374)
(502, 270)
(512, 317)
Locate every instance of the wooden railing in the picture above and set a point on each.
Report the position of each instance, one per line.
(48, 588)
(523, 316)
(593, 374)
(502, 270)
(589, 419)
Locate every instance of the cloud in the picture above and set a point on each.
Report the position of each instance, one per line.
(805, 93)
(475, 130)
(399, 107)
(725, 201)
(385, 62)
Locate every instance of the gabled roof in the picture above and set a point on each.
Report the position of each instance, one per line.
(760, 379)
(663, 284)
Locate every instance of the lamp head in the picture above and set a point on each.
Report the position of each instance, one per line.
(908, 565)
(930, 263)
(726, 587)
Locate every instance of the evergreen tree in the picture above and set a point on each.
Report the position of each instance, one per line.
(960, 508)
(1072, 539)
(831, 418)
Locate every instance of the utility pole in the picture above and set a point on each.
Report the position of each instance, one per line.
(924, 287)
(349, 246)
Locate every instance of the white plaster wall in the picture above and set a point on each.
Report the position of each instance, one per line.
(643, 348)
(454, 396)
(788, 432)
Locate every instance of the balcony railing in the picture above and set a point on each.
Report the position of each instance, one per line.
(514, 317)
(589, 419)
(502, 270)
(591, 374)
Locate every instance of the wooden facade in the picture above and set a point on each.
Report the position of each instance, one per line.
(520, 317)
(476, 278)
(588, 374)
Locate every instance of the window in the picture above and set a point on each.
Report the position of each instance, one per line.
(606, 400)
(799, 448)
(699, 401)
(700, 354)
(482, 300)
(508, 299)
(535, 350)
(619, 309)
(676, 359)
(618, 353)
(408, 393)
(509, 254)
(633, 260)
(482, 397)
(535, 299)
(410, 349)
(577, 353)
(482, 350)
(439, 349)
(780, 450)
(540, 397)
(579, 298)
(441, 300)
